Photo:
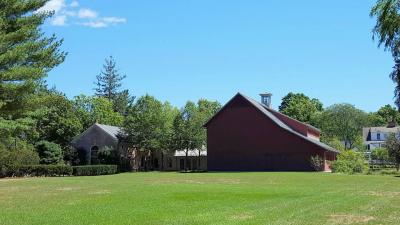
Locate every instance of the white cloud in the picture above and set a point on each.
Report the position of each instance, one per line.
(104, 22)
(74, 4)
(95, 24)
(87, 13)
(70, 13)
(59, 20)
(53, 5)
(70, 10)
(114, 20)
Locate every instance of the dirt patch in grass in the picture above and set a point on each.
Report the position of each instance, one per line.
(12, 179)
(193, 181)
(217, 181)
(242, 216)
(100, 192)
(349, 219)
(67, 189)
(390, 194)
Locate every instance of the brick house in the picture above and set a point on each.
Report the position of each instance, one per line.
(100, 136)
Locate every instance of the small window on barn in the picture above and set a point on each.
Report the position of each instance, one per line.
(378, 136)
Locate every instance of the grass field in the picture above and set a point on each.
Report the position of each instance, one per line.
(202, 198)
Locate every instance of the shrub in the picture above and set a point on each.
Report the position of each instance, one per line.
(49, 152)
(107, 155)
(19, 153)
(38, 170)
(10, 158)
(94, 170)
(70, 155)
(380, 154)
(349, 162)
(317, 163)
(23, 157)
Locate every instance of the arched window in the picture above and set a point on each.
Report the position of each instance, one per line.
(93, 154)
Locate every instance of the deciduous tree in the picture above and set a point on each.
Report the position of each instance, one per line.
(206, 109)
(387, 31)
(187, 136)
(148, 126)
(189, 133)
(96, 109)
(300, 106)
(389, 114)
(345, 122)
(393, 146)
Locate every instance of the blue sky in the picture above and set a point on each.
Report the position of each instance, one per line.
(186, 50)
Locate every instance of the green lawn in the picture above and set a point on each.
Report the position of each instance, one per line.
(202, 198)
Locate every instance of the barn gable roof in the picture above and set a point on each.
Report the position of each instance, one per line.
(267, 112)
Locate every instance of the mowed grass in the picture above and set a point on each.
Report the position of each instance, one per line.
(202, 198)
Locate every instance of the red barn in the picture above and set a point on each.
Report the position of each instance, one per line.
(246, 135)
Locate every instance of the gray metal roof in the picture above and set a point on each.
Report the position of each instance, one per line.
(111, 130)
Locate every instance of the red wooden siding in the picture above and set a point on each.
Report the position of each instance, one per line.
(242, 138)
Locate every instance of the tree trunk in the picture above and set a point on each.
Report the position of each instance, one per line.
(162, 161)
(186, 160)
(199, 160)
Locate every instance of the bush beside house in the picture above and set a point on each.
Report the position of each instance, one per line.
(94, 170)
(349, 162)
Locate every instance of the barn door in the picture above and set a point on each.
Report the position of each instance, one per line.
(182, 164)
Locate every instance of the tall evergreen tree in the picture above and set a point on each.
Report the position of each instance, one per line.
(109, 80)
(122, 101)
(26, 56)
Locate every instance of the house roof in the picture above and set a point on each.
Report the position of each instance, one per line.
(112, 131)
(267, 112)
(195, 152)
(368, 130)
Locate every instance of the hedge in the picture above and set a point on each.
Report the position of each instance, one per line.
(57, 170)
(94, 170)
(36, 170)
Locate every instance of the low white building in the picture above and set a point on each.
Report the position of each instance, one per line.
(375, 137)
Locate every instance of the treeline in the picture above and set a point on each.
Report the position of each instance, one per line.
(341, 124)
(37, 123)
(153, 126)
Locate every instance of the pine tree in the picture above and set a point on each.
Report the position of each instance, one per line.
(122, 101)
(26, 56)
(109, 80)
